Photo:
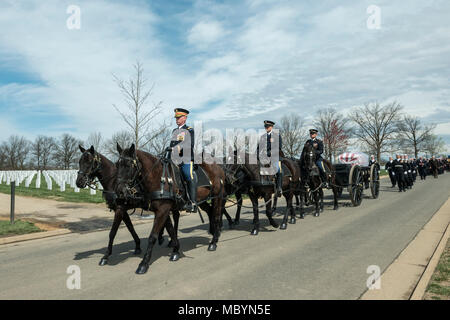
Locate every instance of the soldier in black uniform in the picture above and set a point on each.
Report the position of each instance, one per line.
(421, 167)
(399, 171)
(318, 146)
(389, 167)
(271, 136)
(414, 169)
(183, 141)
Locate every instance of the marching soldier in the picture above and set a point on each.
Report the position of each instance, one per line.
(399, 171)
(183, 141)
(372, 160)
(271, 137)
(434, 166)
(389, 167)
(421, 167)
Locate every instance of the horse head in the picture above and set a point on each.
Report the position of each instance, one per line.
(128, 171)
(90, 164)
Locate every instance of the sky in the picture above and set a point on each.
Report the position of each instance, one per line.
(233, 64)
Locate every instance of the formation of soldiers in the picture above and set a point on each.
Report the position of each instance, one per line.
(403, 171)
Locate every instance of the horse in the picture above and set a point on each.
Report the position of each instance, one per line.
(246, 180)
(139, 169)
(92, 165)
(311, 178)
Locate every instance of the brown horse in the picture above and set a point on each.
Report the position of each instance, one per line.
(139, 169)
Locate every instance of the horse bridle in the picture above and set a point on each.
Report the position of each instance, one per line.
(132, 182)
(95, 167)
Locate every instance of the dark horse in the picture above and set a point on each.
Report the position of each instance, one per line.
(139, 169)
(311, 181)
(95, 165)
(246, 179)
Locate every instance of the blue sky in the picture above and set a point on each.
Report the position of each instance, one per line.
(233, 63)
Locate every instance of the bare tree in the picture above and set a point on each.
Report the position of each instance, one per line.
(41, 150)
(139, 113)
(376, 125)
(124, 138)
(335, 132)
(95, 139)
(294, 135)
(413, 133)
(159, 139)
(434, 145)
(3, 156)
(66, 151)
(16, 150)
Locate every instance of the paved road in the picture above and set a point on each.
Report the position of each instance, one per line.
(317, 258)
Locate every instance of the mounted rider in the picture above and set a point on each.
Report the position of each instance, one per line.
(270, 137)
(317, 144)
(182, 144)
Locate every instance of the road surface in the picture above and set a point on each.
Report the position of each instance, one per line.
(317, 258)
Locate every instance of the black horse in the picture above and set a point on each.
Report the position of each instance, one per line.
(311, 180)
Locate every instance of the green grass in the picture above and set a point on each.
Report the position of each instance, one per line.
(383, 172)
(439, 286)
(18, 227)
(69, 195)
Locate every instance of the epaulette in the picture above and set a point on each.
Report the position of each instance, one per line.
(189, 128)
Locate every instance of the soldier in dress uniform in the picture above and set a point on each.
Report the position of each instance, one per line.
(399, 171)
(270, 136)
(318, 146)
(183, 141)
(421, 167)
(389, 167)
(372, 160)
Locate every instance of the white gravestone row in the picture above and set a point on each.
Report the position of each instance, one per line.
(61, 178)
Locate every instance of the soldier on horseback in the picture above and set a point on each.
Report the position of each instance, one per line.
(317, 144)
(183, 140)
(271, 137)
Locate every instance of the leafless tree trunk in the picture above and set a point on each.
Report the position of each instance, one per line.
(66, 151)
(376, 125)
(41, 150)
(138, 114)
(333, 128)
(293, 134)
(413, 133)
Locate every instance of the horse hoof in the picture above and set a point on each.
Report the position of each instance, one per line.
(137, 251)
(143, 267)
(174, 256)
(283, 226)
(254, 232)
(212, 247)
(103, 261)
(292, 221)
(160, 241)
(274, 224)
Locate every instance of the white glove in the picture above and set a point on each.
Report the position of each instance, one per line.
(409, 170)
(393, 173)
(406, 172)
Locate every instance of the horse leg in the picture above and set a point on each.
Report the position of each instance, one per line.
(297, 205)
(316, 202)
(267, 199)
(176, 219)
(321, 199)
(160, 237)
(239, 207)
(290, 207)
(302, 209)
(118, 216)
(216, 216)
(254, 200)
(229, 219)
(161, 215)
(129, 224)
(335, 196)
(283, 225)
(207, 208)
(175, 244)
(275, 201)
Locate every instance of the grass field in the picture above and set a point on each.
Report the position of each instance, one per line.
(69, 195)
(439, 286)
(18, 227)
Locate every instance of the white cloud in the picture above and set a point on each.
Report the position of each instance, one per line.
(205, 33)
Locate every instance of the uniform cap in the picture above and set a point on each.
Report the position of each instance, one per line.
(180, 112)
(268, 123)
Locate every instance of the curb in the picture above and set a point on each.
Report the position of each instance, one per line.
(32, 236)
(421, 287)
(408, 275)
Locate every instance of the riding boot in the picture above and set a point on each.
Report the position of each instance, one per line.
(279, 184)
(191, 206)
